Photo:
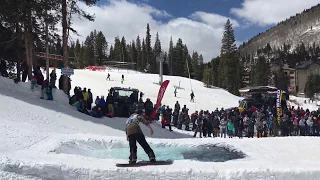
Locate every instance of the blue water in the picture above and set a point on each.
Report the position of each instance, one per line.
(204, 153)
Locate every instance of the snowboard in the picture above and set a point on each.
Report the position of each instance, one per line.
(146, 163)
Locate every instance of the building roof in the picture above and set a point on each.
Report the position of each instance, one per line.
(306, 64)
(257, 89)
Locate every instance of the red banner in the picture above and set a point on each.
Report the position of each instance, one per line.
(161, 92)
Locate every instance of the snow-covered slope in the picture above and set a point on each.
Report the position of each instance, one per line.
(205, 98)
(41, 139)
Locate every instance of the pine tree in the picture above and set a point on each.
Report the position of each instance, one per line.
(195, 65)
(111, 54)
(149, 58)
(171, 56)
(144, 65)
(78, 54)
(262, 72)
(124, 53)
(139, 54)
(206, 76)
(134, 54)
(117, 50)
(101, 47)
(281, 80)
(215, 71)
(156, 52)
(200, 68)
(310, 86)
(178, 61)
(229, 61)
(88, 51)
(186, 60)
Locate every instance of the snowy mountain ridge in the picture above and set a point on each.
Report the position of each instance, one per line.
(303, 27)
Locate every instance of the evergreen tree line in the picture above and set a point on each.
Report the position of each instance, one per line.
(139, 54)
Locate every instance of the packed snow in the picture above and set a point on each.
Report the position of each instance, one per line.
(305, 103)
(33, 133)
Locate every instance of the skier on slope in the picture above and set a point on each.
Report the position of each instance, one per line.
(192, 97)
(135, 134)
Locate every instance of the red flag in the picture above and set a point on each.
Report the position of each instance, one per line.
(161, 92)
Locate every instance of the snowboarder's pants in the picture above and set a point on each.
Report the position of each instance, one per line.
(164, 126)
(250, 134)
(49, 95)
(223, 132)
(198, 129)
(111, 109)
(43, 91)
(133, 138)
(24, 75)
(216, 132)
(33, 85)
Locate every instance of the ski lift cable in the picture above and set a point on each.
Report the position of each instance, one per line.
(195, 104)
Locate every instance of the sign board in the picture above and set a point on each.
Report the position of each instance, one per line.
(278, 104)
(67, 71)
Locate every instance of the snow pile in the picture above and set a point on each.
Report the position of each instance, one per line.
(32, 131)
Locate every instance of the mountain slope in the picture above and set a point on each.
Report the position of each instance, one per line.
(205, 98)
(304, 27)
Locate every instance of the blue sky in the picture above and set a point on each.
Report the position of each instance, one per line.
(183, 8)
(199, 23)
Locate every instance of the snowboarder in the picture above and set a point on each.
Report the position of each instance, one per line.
(134, 134)
(175, 92)
(108, 77)
(122, 79)
(192, 97)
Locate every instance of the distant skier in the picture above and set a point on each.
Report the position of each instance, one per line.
(108, 78)
(122, 79)
(134, 134)
(175, 92)
(192, 97)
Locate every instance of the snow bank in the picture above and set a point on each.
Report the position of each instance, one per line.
(25, 88)
(32, 129)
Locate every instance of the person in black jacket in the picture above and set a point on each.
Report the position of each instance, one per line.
(148, 106)
(110, 102)
(90, 99)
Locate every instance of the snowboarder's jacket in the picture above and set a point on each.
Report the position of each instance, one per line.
(90, 98)
(199, 121)
(223, 123)
(102, 102)
(110, 99)
(85, 95)
(97, 100)
(310, 122)
(177, 106)
(230, 126)
(132, 124)
(302, 122)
